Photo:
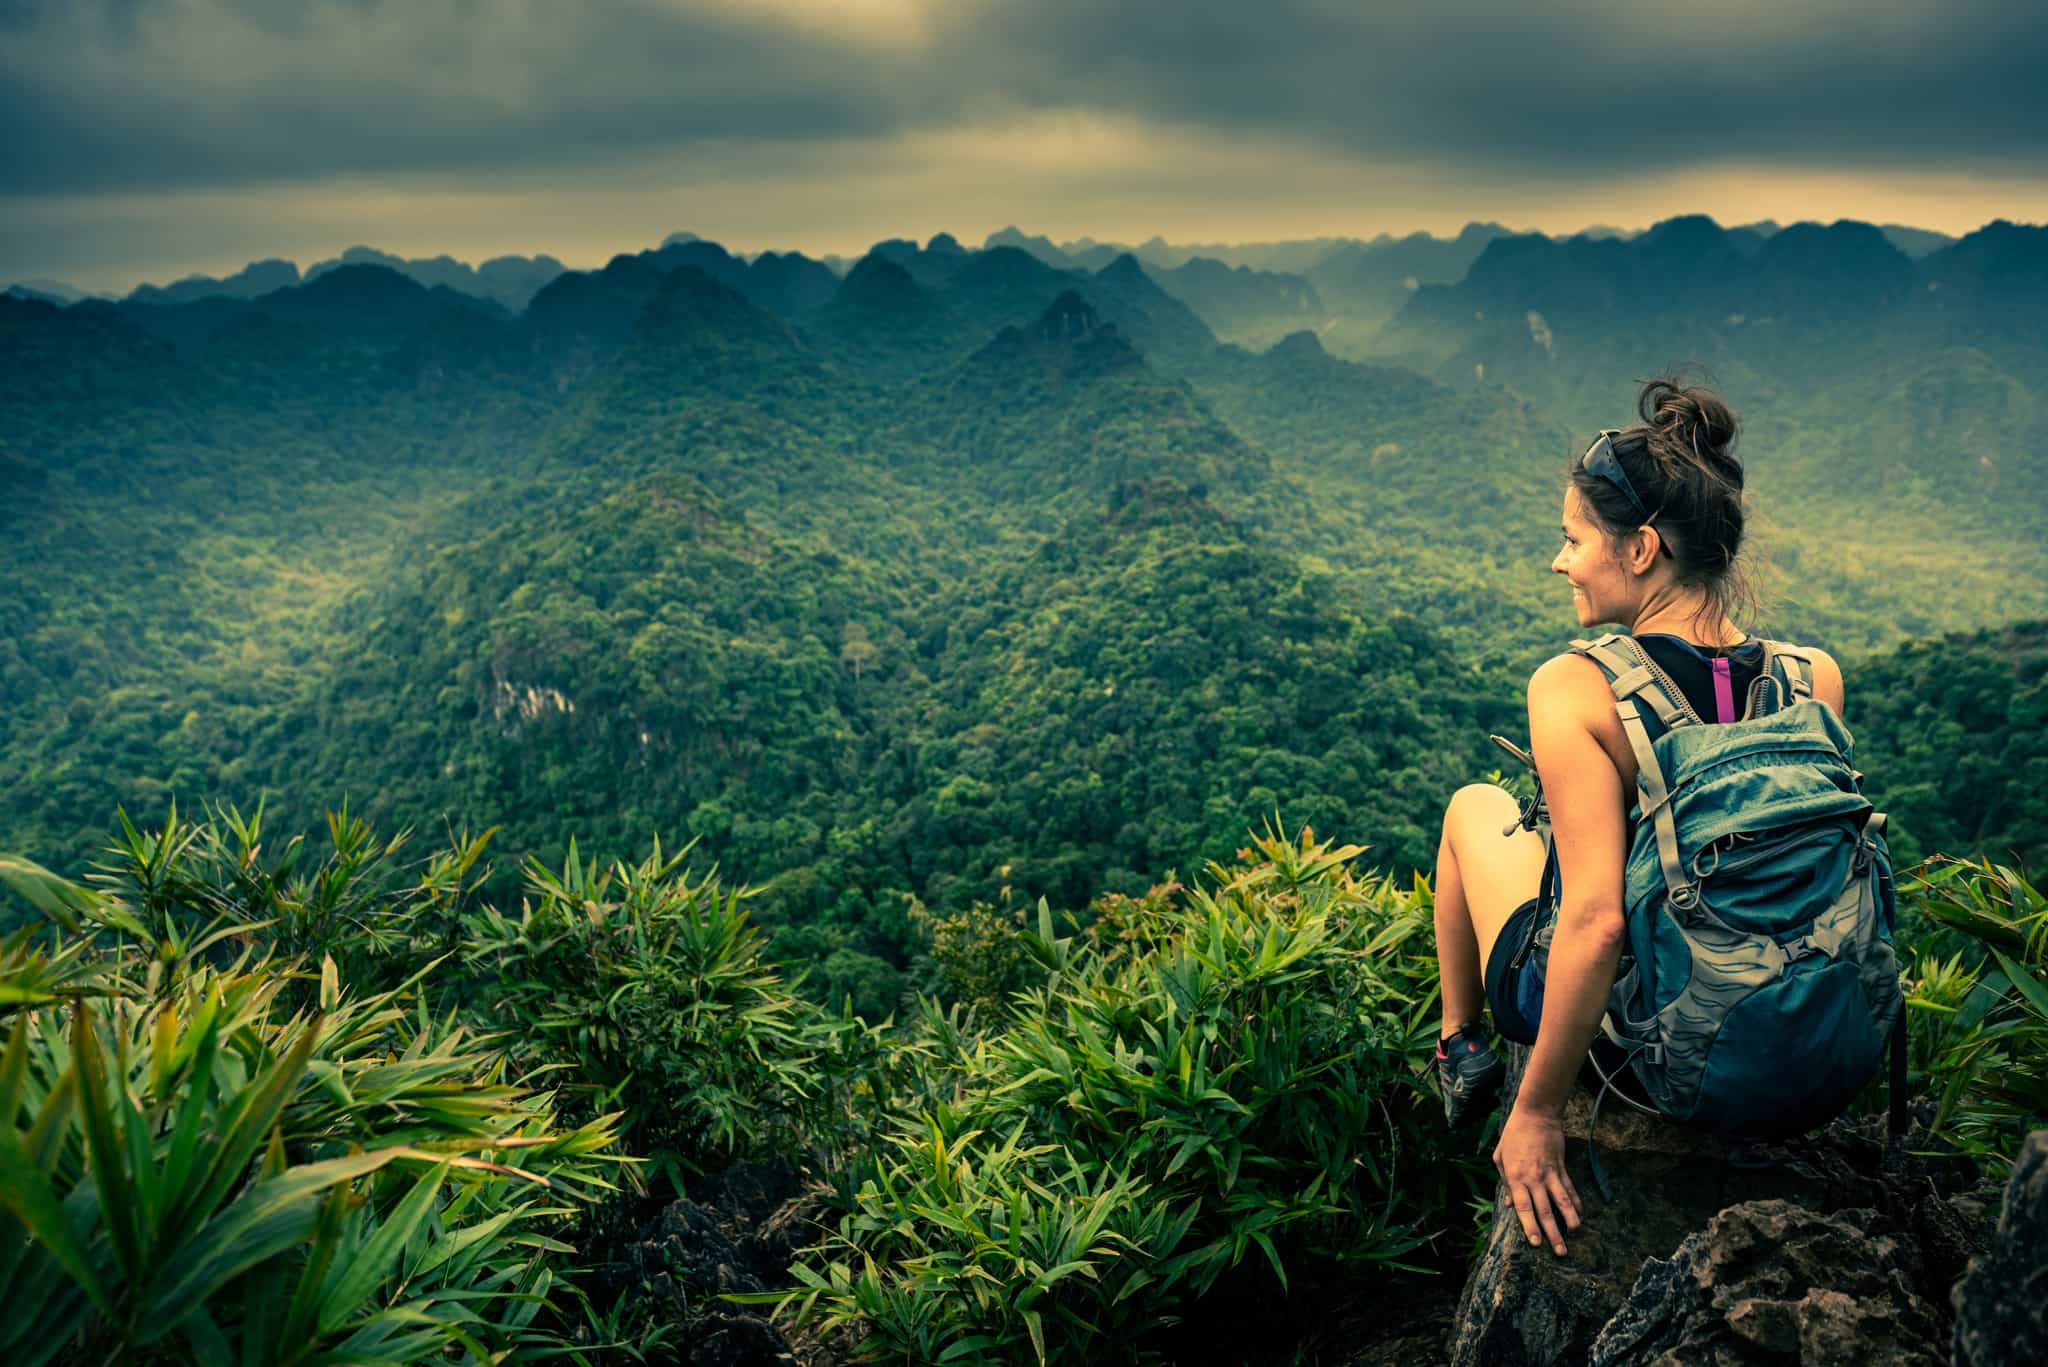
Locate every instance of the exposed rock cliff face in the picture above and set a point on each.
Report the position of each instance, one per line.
(1821, 1251)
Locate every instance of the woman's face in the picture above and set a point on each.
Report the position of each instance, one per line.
(1602, 590)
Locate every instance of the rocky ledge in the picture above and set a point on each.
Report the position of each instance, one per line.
(1834, 1248)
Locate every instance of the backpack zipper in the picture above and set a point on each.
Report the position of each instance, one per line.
(1671, 688)
(1684, 703)
(1728, 861)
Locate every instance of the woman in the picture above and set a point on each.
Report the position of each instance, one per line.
(1653, 519)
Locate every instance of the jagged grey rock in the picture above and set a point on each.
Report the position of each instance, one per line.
(1903, 1226)
(1769, 1281)
(735, 1234)
(2002, 1302)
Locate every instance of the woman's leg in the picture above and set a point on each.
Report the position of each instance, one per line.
(1481, 877)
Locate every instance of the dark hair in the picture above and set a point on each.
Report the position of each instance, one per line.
(1681, 461)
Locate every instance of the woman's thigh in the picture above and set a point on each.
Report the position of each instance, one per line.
(1496, 872)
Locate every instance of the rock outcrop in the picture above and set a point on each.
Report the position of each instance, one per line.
(735, 1234)
(2002, 1304)
(1770, 1281)
(1822, 1250)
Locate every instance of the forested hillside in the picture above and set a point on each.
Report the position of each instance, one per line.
(1954, 733)
(953, 744)
(962, 577)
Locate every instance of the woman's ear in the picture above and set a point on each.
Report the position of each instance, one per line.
(1643, 544)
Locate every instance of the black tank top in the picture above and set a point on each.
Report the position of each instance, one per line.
(1692, 668)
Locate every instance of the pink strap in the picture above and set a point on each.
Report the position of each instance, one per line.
(1724, 692)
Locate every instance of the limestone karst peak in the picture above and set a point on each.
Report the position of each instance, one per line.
(1068, 318)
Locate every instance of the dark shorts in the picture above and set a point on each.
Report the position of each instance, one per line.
(1516, 995)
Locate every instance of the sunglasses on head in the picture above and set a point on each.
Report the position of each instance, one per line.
(1601, 463)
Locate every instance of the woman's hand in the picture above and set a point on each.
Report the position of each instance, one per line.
(1530, 1157)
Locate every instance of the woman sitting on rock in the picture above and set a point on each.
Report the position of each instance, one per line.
(1653, 520)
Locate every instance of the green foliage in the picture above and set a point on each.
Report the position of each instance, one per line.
(208, 1162)
(978, 956)
(37, 969)
(1978, 998)
(1954, 734)
(652, 990)
(970, 1247)
(1213, 1076)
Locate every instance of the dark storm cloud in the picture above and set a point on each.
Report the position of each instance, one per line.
(140, 94)
(171, 93)
(1571, 87)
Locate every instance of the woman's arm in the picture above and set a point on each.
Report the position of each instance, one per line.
(1588, 821)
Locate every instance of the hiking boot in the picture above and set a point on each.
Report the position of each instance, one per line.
(1469, 1074)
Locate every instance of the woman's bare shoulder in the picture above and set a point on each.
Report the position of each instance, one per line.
(1568, 695)
(1569, 681)
(1827, 678)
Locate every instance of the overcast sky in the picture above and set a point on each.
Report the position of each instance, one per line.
(149, 139)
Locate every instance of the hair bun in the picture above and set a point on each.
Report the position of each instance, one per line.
(1693, 419)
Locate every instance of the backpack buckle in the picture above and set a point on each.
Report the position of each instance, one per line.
(1686, 896)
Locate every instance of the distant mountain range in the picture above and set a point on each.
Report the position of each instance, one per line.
(1358, 279)
(1540, 313)
(509, 281)
(861, 573)
(1917, 369)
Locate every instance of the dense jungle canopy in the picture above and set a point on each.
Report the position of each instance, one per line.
(1044, 643)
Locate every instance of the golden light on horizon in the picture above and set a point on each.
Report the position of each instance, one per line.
(1065, 173)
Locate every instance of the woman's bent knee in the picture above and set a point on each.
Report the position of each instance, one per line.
(1480, 796)
(1480, 826)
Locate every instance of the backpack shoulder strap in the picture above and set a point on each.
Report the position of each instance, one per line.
(1630, 676)
(1790, 671)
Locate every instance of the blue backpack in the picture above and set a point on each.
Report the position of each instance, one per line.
(1758, 984)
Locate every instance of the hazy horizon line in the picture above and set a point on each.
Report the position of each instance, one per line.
(588, 261)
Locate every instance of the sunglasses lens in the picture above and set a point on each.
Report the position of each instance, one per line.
(1601, 463)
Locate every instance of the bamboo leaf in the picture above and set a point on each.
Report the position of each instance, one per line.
(63, 902)
(1265, 1242)
(103, 1148)
(26, 1191)
(273, 1215)
(377, 1257)
(326, 1243)
(257, 1113)
(2028, 985)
